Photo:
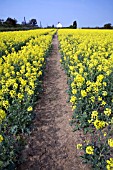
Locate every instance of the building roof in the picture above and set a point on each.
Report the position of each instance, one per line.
(59, 25)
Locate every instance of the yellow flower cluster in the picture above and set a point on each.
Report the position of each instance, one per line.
(1, 138)
(110, 142)
(109, 164)
(107, 111)
(73, 99)
(89, 150)
(2, 115)
(99, 124)
(29, 108)
(94, 114)
(79, 146)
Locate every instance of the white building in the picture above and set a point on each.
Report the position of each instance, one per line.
(59, 25)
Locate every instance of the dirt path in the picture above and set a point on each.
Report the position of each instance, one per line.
(52, 145)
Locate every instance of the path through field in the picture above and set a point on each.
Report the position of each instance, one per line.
(52, 144)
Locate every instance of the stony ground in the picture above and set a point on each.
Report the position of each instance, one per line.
(52, 144)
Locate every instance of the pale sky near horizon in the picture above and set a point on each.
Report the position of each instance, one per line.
(90, 13)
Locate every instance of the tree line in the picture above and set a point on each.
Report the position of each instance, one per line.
(106, 26)
(10, 22)
(13, 22)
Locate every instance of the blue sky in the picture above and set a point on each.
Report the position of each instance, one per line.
(86, 12)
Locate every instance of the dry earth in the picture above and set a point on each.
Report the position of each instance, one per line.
(52, 144)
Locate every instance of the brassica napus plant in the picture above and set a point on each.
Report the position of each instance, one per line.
(13, 41)
(20, 83)
(87, 57)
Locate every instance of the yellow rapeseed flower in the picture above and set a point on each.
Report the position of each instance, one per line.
(94, 114)
(99, 98)
(105, 134)
(2, 115)
(99, 124)
(103, 103)
(104, 93)
(110, 142)
(90, 150)
(74, 91)
(39, 73)
(83, 93)
(1, 138)
(29, 108)
(73, 99)
(79, 146)
(109, 165)
(107, 111)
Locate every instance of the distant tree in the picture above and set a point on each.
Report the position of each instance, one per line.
(53, 26)
(74, 24)
(33, 22)
(49, 26)
(71, 26)
(108, 26)
(1, 21)
(11, 22)
(97, 27)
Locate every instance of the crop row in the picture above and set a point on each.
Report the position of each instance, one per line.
(20, 83)
(87, 57)
(13, 41)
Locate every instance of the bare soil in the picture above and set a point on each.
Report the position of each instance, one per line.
(52, 144)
